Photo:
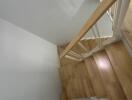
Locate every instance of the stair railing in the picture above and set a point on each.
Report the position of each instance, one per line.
(117, 13)
(121, 6)
(98, 13)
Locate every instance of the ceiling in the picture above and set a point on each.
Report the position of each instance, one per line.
(54, 20)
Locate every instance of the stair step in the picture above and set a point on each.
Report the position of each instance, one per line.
(90, 44)
(95, 77)
(105, 74)
(91, 98)
(111, 83)
(65, 61)
(76, 81)
(122, 64)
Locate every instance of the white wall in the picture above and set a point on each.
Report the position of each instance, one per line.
(57, 21)
(28, 66)
(54, 20)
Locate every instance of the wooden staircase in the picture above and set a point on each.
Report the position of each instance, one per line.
(106, 74)
(99, 68)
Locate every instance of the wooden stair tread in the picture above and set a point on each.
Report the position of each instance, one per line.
(65, 61)
(91, 98)
(95, 77)
(78, 49)
(91, 77)
(76, 81)
(122, 64)
(90, 44)
(111, 83)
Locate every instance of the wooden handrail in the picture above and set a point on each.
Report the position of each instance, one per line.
(100, 10)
